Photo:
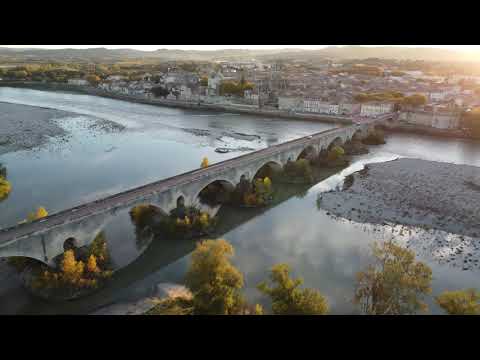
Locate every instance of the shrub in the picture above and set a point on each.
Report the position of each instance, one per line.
(288, 299)
(461, 302)
(335, 153)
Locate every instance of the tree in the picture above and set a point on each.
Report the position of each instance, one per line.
(213, 280)
(204, 163)
(40, 213)
(415, 100)
(92, 264)
(394, 283)
(5, 188)
(72, 269)
(93, 79)
(288, 299)
(461, 302)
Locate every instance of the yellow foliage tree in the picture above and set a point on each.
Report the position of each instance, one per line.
(394, 283)
(268, 184)
(92, 264)
(40, 213)
(5, 188)
(204, 219)
(288, 299)
(213, 280)
(461, 302)
(204, 163)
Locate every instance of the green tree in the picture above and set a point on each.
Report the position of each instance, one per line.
(461, 302)
(394, 283)
(288, 299)
(213, 280)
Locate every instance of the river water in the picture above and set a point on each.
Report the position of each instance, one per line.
(160, 142)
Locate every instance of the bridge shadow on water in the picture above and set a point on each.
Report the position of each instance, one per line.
(163, 251)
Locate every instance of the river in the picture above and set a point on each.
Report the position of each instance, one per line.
(92, 162)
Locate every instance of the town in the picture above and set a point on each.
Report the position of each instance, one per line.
(428, 96)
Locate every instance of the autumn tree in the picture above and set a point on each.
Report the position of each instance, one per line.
(92, 264)
(93, 79)
(40, 213)
(288, 298)
(213, 280)
(461, 302)
(204, 163)
(394, 283)
(415, 100)
(5, 188)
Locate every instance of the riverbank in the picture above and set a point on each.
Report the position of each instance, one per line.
(19, 130)
(430, 131)
(233, 108)
(439, 200)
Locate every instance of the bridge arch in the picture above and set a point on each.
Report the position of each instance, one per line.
(216, 192)
(338, 141)
(267, 169)
(309, 153)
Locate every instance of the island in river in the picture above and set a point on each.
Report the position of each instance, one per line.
(440, 199)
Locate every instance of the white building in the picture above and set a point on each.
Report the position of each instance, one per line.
(79, 82)
(370, 110)
(317, 106)
(349, 109)
(439, 120)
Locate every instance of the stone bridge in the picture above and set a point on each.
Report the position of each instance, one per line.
(44, 239)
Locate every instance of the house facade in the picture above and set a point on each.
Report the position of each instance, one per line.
(375, 109)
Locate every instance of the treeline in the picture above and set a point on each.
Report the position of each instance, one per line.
(235, 88)
(392, 96)
(393, 283)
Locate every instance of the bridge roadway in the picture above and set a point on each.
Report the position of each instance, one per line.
(88, 209)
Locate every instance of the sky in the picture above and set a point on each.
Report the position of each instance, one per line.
(216, 47)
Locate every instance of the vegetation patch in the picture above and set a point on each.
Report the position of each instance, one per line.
(79, 271)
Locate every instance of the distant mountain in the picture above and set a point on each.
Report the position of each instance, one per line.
(331, 52)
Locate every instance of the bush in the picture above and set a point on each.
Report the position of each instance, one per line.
(288, 299)
(335, 153)
(462, 302)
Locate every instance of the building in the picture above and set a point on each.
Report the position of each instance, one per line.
(214, 83)
(317, 106)
(375, 109)
(439, 120)
(78, 82)
(288, 103)
(349, 109)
